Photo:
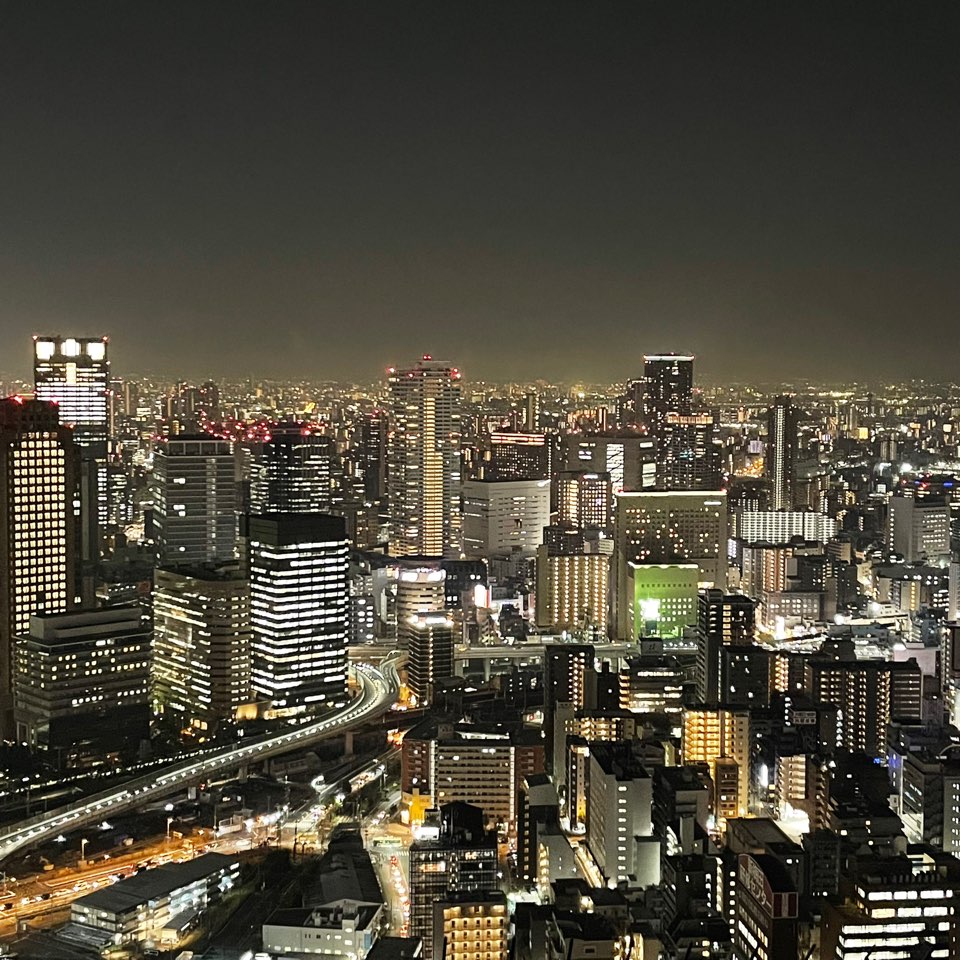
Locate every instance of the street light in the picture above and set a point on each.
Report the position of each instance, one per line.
(83, 849)
(169, 821)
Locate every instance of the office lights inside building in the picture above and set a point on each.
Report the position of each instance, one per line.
(298, 609)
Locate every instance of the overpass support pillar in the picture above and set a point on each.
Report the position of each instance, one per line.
(348, 744)
(242, 773)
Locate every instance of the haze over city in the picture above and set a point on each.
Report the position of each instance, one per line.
(536, 189)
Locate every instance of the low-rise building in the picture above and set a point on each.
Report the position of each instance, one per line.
(165, 898)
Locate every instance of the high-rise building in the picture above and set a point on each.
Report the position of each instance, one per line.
(374, 430)
(425, 627)
(504, 518)
(666, 388)
(74, 373)
(424, 459)
(899, 906)
(869, 693)
(201, 655)
(765, 922)
(453, 854)
(471, 926)
(565, 670)
(782, 526)
(720, 738)
(689, 453)
(430, 653)
(291, 472)
(194, 500)
(783, 440)
(572, 590)
(619, 811)
(629, 459)
(513, 456)
(653, 527)
(724, 620)
(298, 565)
(39, 519)
(919, 529)
(584, 499)
(82, 684)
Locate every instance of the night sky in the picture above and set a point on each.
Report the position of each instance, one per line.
(313, 189)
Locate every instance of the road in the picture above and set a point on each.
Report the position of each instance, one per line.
(379, 689)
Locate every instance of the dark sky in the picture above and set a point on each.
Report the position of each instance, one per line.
(552, 189)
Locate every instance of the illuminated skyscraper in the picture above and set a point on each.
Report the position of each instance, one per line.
(39, 519)
(201, 652)
(781, 457)
(74, 373)
(298, 608)
(666, 388)
(424, 625)
(374, 429)
(689, 454)
(424, 459)
(194, 500)
(291, 471)
(724, 620)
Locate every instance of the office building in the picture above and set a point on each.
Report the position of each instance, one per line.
(664, 599)
(298, 609)
(919, 529)
(373, 454)
(74, 373)
(572, 590)
(629, 459)
(902, 906)
(202, 645)
(783, 441)
(82, 684)
(765, 921)
(651, 682)
(667, 527)
(666, 388)
(39, 519)
(723, 621)
(453, 854)
(504, 518)
(423, 480)
(471, 926)
(291, 471)
(619, 810)
(513, 456)
(689, 453)
(584, 499)
(194, 500)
